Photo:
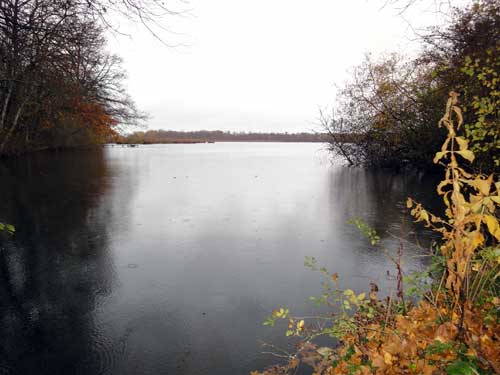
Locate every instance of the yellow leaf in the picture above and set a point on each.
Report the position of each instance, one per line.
(462, 143)
(300, 325)
(388, 358)
(409, 203)
(476, 208)
(445, 145)
(493, 226)
(439, 156)
(466, 154)
(477, 239)
(441, 185)
(424, 216)
(483, 185)
(460, 118)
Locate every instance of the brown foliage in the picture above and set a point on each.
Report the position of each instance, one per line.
(455, 328)
(58, 85)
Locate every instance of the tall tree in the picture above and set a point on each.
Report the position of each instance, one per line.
(389, 107)
(58, 85)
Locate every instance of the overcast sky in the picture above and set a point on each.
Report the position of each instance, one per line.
(257, 65)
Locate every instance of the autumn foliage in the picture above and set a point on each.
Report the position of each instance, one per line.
(393, 102)
(59, 86)
(454, 328)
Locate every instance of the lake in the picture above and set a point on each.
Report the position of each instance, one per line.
(166, 259)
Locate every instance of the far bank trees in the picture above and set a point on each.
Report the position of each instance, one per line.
(390, 105)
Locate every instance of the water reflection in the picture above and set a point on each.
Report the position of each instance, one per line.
(57, 268)
(379, 199)
(166, 259)
(379, 196)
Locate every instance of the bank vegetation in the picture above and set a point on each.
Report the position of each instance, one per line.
(392, 103)
(445, 320)
(59, 85)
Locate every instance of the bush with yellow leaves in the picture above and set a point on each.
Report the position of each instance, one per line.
(455, 328)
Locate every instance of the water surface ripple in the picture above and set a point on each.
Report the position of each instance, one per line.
(166, 259)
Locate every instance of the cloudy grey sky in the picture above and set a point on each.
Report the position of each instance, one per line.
(257, 65)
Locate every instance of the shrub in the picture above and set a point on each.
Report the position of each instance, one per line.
(455, 327)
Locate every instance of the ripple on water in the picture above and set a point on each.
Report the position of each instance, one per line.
(6, 370)
(105, 354)
(102, 356)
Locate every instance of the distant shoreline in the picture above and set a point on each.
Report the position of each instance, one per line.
(159, 142)
(171, 142)
(210, 136)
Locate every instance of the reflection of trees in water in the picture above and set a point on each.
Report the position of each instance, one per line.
(57, 267)
(379, 197)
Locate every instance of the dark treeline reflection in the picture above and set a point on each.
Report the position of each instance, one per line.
(56, 268)
(379, 198)
(167, 259)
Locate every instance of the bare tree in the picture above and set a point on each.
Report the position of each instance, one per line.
(54, 71)
(378, 114)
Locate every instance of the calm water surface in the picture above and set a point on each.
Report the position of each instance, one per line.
(166, 259)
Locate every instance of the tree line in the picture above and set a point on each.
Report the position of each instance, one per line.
(171, 136)
(59, 87)
(391, 104)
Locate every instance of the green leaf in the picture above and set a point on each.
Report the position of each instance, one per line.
(310, 262)
(7, 227)
(438, 347)
(269, 321)
(347, 305)
(461, 368)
